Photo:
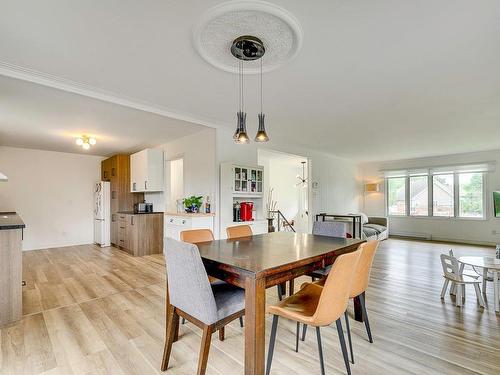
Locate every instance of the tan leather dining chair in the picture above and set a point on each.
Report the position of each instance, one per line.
(239, 231)
(358, 288)
(319, 306)
(195, 236)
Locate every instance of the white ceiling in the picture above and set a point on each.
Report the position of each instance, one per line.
(35, 116)
(374, 80)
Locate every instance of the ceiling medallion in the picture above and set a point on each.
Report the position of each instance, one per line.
(271, 25)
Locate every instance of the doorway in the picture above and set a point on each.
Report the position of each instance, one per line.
(175, 183)
(287, 176)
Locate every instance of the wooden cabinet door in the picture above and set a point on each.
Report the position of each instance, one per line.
(106, 170)
(114, 229)
(132, 233)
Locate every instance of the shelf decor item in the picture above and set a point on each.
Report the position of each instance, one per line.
(193, 203)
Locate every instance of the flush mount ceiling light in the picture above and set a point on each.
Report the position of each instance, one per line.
(85, 141)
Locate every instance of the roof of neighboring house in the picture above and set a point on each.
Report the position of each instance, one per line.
(419, 186)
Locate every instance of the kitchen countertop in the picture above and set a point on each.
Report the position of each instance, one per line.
(11, 220)
(187, 214)
(140, 213)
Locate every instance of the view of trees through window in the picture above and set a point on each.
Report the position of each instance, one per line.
(469, 195)
(396, 196)
(470, 186)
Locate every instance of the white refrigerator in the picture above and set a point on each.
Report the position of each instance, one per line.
(102, 214)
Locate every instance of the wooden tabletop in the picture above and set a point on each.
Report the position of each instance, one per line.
(483, 262)
(262, 253)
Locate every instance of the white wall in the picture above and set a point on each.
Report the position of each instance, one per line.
(199, 168)
(339, 184)
(52, 192)
(462, 230)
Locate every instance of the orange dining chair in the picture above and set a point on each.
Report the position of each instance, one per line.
(318, 306)
(358, 288)
(195, 236)
(239, 231)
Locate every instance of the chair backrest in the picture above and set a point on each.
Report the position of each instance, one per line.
(450, 266)
(239, 231)
(196, 235)
(335, 295)
(330, 228)
(188, 285)
(363, 270)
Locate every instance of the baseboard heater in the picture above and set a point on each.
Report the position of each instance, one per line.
(419, 236)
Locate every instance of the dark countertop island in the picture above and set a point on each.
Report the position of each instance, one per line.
(11, 220)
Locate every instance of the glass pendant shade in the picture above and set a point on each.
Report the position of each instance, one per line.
(261, 133)
(242, 136)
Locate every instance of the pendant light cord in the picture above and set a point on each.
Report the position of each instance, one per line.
(261, 90)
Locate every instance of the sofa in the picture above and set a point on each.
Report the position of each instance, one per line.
(375, 228)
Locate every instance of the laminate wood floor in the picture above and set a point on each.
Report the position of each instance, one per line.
(89, 310)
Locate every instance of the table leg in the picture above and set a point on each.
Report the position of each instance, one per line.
(353, 227)
(255, 326)
(358, 311)
(485, 275)
(495, 290)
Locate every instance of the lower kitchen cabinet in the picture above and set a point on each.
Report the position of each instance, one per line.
(140, 234)
(178, 222)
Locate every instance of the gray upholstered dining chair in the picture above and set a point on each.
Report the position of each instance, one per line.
(208, 306)
(330, 229)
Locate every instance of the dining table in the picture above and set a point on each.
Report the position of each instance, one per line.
(487, 264)
(258, 262)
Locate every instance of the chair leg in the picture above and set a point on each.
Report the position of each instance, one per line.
(304, 331)
(241, 321)
(297, 338)
(453, 288)
(169, 339)
(338, 322)
(445, 286)
(458, 298)
(281, 291)
(320, 349)
(272, 340)
(291, 286)
(348, 329)
(222, 333)
(479, 296)
(365, 316)
(204, 350)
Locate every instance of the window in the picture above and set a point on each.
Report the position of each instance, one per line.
(443, 201)
(419, 196)
(454, 192)
(470, 197)
(396, 196)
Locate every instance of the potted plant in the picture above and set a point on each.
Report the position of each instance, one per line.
(193, 203)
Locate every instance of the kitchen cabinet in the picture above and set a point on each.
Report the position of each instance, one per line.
(141, 234)
(178, 222)
(146, 171)
(116, 170)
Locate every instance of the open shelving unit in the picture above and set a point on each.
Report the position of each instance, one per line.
(241, 183)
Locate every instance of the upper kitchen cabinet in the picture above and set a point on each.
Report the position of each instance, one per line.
(146, 171)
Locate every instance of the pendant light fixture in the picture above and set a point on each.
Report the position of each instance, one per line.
(248, 48)
(261, 135)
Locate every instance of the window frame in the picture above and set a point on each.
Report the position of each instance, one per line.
(430, 203)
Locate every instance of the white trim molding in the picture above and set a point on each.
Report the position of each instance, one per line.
(49, 80)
